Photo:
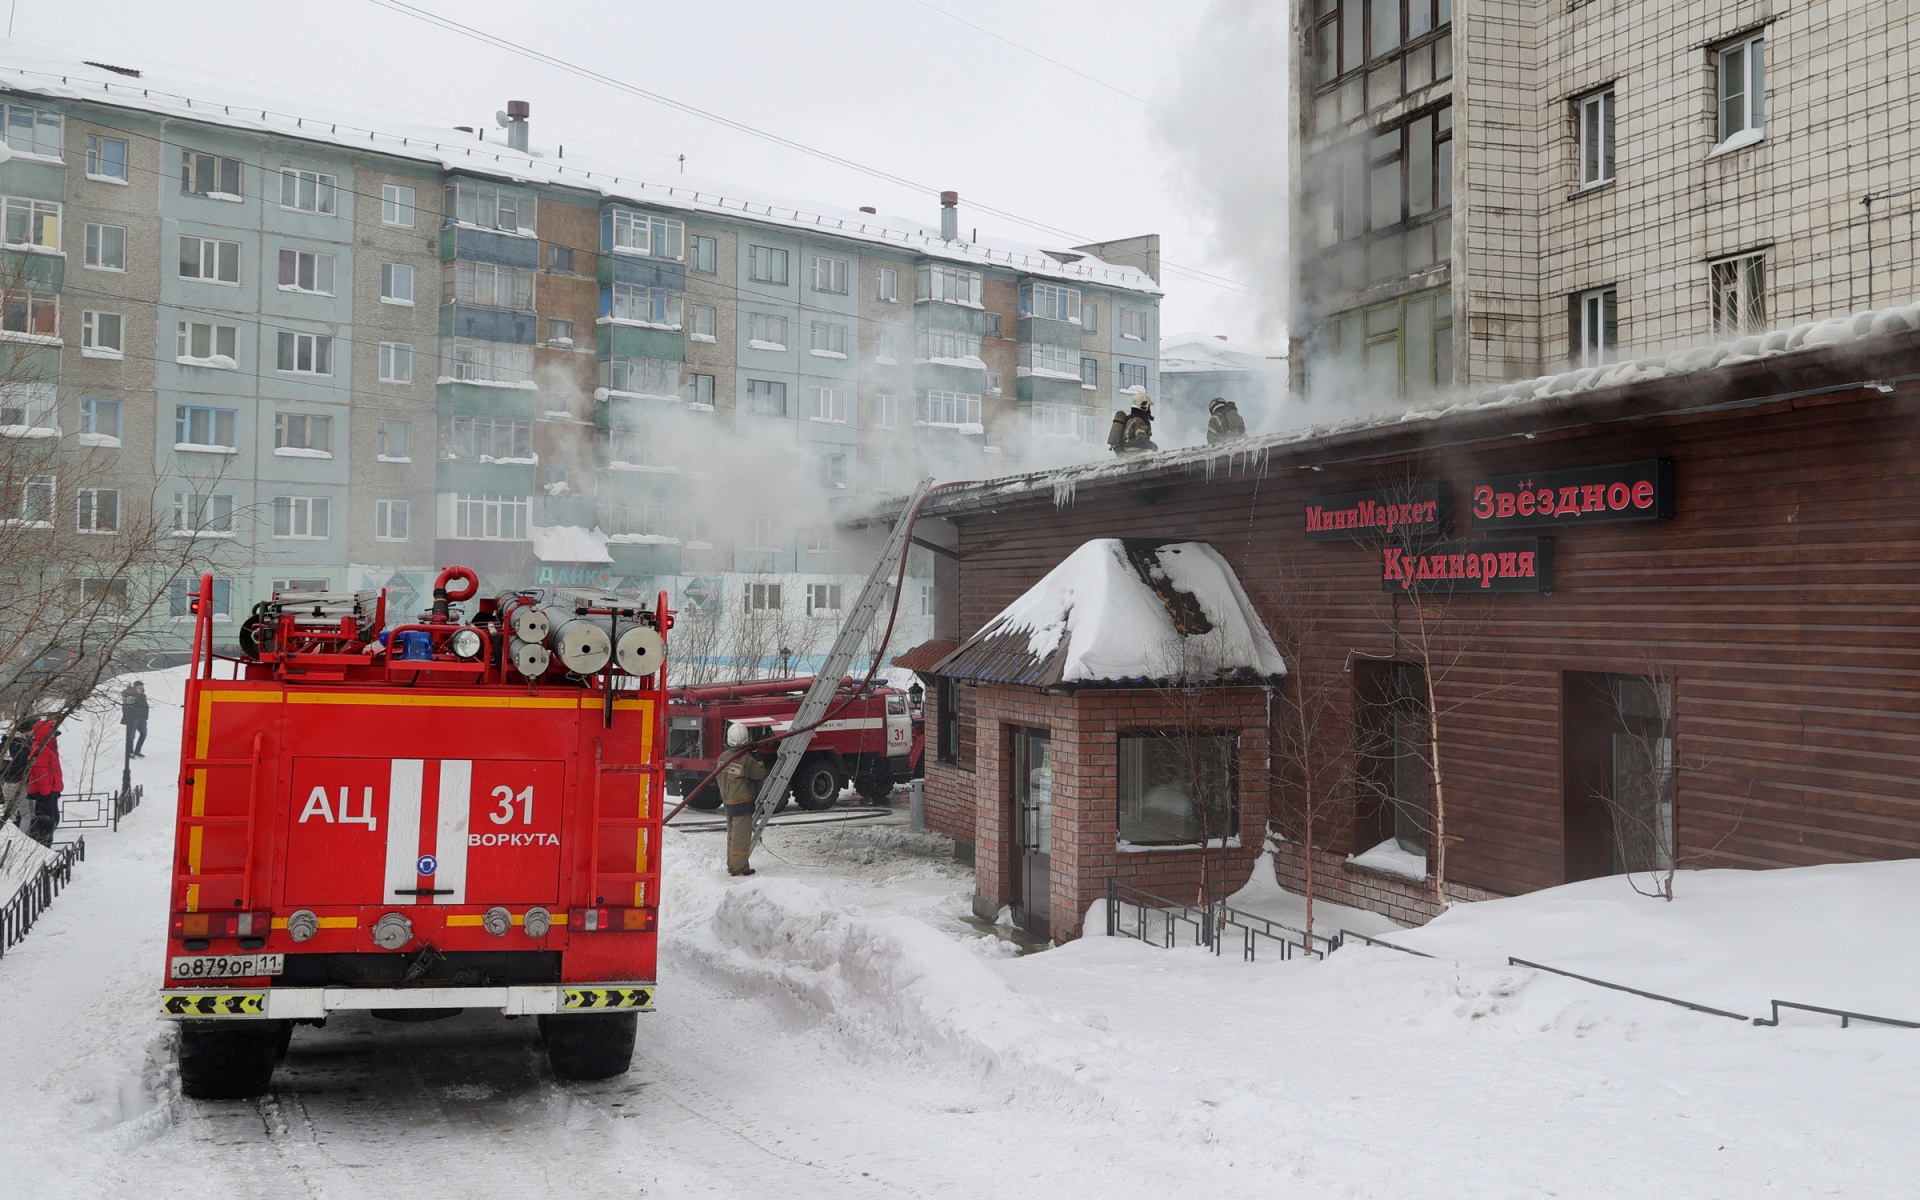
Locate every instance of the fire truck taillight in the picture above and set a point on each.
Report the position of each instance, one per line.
(610, 920)
(222, 924)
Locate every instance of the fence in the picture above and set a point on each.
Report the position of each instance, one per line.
(98, 810)
(18, 914)
(1155, 919)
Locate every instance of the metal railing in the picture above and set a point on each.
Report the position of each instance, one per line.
(1846, 1015)
(99, 810)
(1373, 941)
(1134, 913)
(18, 914)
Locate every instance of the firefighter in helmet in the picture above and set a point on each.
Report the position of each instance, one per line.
(1132, 432)
(739, 784)
(1224, 422)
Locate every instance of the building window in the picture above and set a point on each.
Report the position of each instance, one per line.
(560, 258)
(300, 517)
(763, 597)
(1055, 420)
(396, 283)
(307, 191)
(767, 398)
(949, 285)
(195, 426)
(957, 409)
(559, 332)
(1596, 326)
(303, 431)
(31, 313)
(1177, 789)
(393, 440)
(26, 406)
(820, 541)
(643, 305)
(643, 233)
(1036, 358)
(703, 256)
(950, 345)
(31, 222)
(209, 260)
(1345, 39)
(100, 418)
(766, 331)
(883, 347)
(703, 323)
(830, 470)
(396, 362)
(883, 475)
(1402, 348)
(926, 600)
(497, 362)
(994, 326)
(488, 439)
(107, 247)
(1090, 316)
(1739, 295)
(886, 411)
(829, 338)
(1049, 302)
(396, 205)
(209, 175)
(947, 703)
(641, 376)
(886, 284)
(993, 382)
(1089, 372)
(830, 275)
(1742, 90)
(1395, 770)
(823, 598)
(201, 344)
(1133, 324)
(106, 157)
(1131, 375)
(489, 285)
(491, 518)
(199, 512)
(765, 264)
(700, 390)
(392, 520)
(306, 353)
(182, 592)
(827, 404)
(306, 271)
(491, 206)
(99, 510)
(28, 501)
(1596, 138)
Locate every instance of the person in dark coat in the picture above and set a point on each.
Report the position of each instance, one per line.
(1224, 422)
(44, 782)
(1136, 435)
(133, 714)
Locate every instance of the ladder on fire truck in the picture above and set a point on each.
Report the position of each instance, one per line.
(826, 681)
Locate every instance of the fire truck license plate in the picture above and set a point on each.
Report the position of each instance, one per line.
(228, 966)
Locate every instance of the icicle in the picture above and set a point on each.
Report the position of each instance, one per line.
(1062, 490)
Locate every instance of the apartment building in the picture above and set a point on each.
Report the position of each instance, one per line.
(339, 355)
(1526, 185)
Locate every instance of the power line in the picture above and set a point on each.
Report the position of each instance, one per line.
(1043, 58)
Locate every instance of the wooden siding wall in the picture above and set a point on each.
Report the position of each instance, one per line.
(1784, 600)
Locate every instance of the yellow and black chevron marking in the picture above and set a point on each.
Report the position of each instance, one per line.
(215, 1004)
(609, 998)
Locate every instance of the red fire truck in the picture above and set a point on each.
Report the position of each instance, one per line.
(873, 738)
(456, 812)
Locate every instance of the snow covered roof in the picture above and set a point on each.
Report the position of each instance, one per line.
(570, 544)
(1121, 611)
(1195, 352)
(29, 70)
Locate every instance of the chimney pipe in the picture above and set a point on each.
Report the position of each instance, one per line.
(869, 211)
(517, 112)
(950, 216)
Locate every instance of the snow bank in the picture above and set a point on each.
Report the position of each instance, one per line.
(570, 544)
(20, 860)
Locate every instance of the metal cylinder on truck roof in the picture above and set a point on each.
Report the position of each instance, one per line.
(639, 649)
(524, 617)
(582, 645)
(529, 658)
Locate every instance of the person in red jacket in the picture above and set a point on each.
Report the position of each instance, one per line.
(44, 783)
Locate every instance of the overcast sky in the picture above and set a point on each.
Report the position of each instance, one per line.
(1117, 140)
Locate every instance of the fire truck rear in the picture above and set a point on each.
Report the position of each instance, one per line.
(456, 812)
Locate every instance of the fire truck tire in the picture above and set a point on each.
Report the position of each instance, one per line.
(589, 1045)
(817, 784)
(283, 1042)
(874, 781)
(707, 799)
(228, 1061)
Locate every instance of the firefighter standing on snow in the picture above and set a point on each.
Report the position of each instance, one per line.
(738, 787)
(1224, 422)
(1132, 432)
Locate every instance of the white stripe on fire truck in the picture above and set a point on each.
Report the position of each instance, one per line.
(450, 847)
(403, 832)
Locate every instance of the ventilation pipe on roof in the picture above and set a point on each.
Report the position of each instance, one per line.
(950, 216)
(869, 211)
(517, 112)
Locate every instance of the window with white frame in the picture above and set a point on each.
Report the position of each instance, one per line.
(650, 518)
(307, 191)
(703, 323)
(763, 538)
(466, 361)
(393, 440)
(99, 510)
(303, 431)
(1133, 324)
(29, 222)
(491, 206)
(883, 476)
(767, 397)
(1596, 138)
(29, 501)
(100, 417)
(886, 411)
(827, 404)
(209, 260)
(947, 344)
(645, 376)
(559, 332)
(1596, 326)
(830, 470)
(498, 439)
(1055, 420)
(1739, 298)
(830, 275)
(886, 284)
(305, 353)
(820, 539)
(106, 247)
(491, 518)
(699, 389)
(1049, 302)
(926, 600)
(33, 130)
(763, 597)
(823, 598)
(209, 174)
(644, 233)
(198, 425)
(1049, 360)
(767, 264)
(25, 406)
(949, 285)
(106, 157)
(949, 408)
(1741, 74)
(489, 285)
(207, 343)
(300, 517)
(646, 305)
(36, 314)
(993, 382)
(703, 257)
(883, 346)
(1130, 376)
(392, 520)
(766, 331)
(181, 594)
(202, 512)
(1089, 316)
(396, 205)
(829, 338)
(396, 283)
(1089, 372)
(994, 327)
(396, 362)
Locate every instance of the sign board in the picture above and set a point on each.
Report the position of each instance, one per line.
(1420, 511)
(1494, 565)
(582, 575)
(1635, 491)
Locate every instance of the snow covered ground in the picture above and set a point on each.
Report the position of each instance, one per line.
(839, 1025)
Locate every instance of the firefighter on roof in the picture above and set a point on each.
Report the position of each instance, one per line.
(1224, 422)
(1132, 432)
(738, 785)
